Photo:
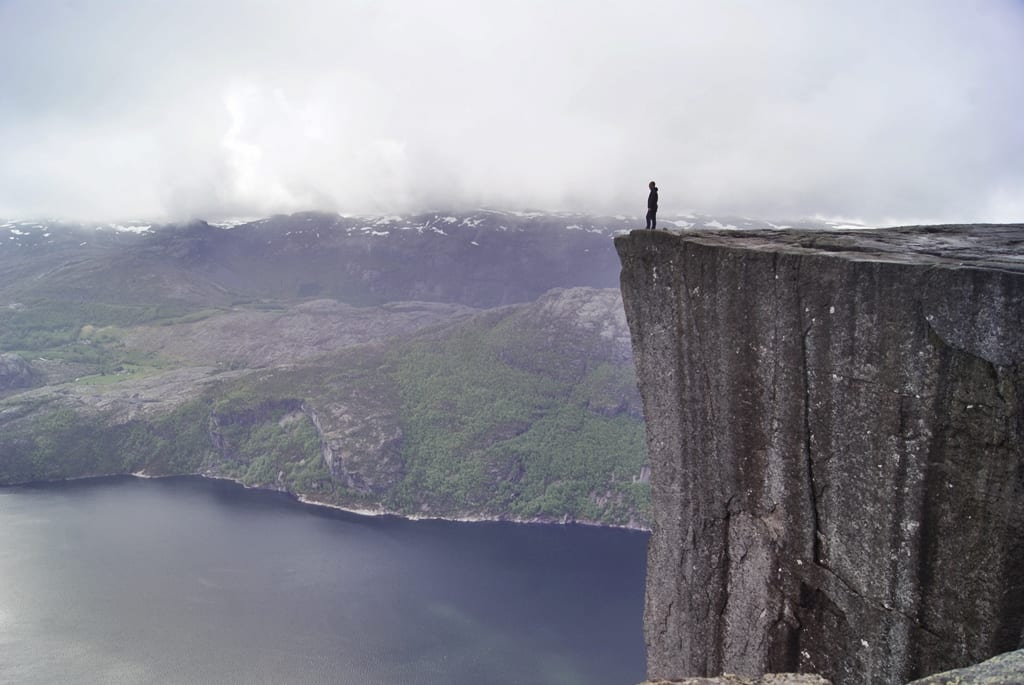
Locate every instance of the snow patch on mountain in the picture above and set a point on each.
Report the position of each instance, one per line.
(233, 222)
(130, 228)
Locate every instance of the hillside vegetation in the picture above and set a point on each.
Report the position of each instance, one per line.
(524, 412)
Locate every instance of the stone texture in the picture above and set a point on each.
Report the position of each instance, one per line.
(1005, 669)
(15, 372)
(730, 679)
(836, 443)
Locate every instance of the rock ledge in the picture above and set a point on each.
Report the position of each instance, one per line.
(836, 437)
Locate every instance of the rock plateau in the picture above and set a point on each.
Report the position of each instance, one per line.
(836, 441)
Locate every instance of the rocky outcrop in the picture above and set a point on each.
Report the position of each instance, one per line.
(729, 679)
(249, 416)
(287, 335)
(1005, 669)
(361, 440)
(15, 372)
(836, 440)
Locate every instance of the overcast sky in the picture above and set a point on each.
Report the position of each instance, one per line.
(884, 111)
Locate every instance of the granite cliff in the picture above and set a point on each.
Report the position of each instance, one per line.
(836, 440)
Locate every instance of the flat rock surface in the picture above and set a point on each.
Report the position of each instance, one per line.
(1005, 669)
(990, 245)
(730, 679)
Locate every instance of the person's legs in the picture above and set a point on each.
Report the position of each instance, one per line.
(650, 219)
(654, 219)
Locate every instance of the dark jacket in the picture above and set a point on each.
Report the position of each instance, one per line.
(652, 199)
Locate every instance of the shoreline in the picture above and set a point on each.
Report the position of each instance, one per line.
(305, 500)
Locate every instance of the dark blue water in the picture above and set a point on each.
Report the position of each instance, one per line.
(193, 581)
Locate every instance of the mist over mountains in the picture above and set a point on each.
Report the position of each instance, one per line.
(483, 259)
(902, 114)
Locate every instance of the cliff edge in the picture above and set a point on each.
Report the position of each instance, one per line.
(836, 439)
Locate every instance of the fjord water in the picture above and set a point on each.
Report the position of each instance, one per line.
(186, 580)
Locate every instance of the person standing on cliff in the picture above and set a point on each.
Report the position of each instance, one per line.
(652, 206)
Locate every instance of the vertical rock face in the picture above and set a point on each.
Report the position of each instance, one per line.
(836, 438)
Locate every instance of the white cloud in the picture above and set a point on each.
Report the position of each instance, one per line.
(869, 109)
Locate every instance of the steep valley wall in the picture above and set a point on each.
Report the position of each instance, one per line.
(836, 438)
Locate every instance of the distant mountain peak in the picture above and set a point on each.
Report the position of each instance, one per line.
(16, 233)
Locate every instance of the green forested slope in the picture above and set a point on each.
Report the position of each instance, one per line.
(527, 412)
(513, 415)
